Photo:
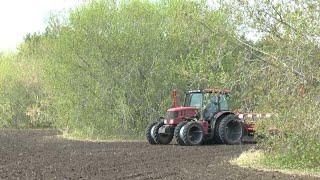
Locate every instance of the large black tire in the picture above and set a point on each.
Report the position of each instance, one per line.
(177, 133)
(216, 137)
(230, 129)
(192, 134)
(161, 138)
(149, 131)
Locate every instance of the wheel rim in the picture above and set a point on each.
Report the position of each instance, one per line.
(195, 135)
(181, 131)
(152, 131)
(234, 130)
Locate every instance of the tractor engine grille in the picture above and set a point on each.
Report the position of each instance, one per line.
(172, 115)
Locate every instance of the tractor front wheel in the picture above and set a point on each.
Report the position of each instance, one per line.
(160, 138)
(177, 133)
(192, 134)
(149, 132)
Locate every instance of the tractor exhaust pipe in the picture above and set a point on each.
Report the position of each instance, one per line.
(175, 98)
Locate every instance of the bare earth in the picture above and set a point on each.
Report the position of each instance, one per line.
(40, 154)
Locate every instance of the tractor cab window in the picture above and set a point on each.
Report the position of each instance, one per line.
(224, 103)
(194, 100)
(211, 108)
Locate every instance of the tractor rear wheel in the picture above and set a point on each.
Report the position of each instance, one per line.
(161, 138)
(149, 131)
(230, 129)
(177, 133)
(192, 133)
(216, 137)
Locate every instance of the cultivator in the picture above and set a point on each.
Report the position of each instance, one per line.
(205, 117)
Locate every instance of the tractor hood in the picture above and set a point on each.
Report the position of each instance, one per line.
(178, 114)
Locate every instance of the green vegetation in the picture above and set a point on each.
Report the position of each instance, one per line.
(257, 159)
(107, 69)
(23, 100)
(286, 76)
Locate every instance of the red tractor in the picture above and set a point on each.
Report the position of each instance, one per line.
(204, 117)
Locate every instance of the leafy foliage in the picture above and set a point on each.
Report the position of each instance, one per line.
(111, 67)
(288, 77)
(23, 100)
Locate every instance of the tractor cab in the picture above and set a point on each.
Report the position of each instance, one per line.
(208, 101)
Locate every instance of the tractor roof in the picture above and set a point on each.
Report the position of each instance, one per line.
(181, 108)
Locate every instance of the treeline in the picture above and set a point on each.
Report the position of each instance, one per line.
(107, 69)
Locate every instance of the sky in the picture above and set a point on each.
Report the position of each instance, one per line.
(20, 17)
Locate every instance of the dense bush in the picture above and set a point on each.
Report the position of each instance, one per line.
(285, 76)
(111, 67)
(23, 100)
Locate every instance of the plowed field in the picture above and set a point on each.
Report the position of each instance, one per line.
(40, 154)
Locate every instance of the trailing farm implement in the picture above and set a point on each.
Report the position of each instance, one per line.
(205, 117)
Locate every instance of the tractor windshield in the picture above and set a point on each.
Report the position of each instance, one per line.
(194, 100)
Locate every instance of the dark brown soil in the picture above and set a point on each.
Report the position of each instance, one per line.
(40, 154)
